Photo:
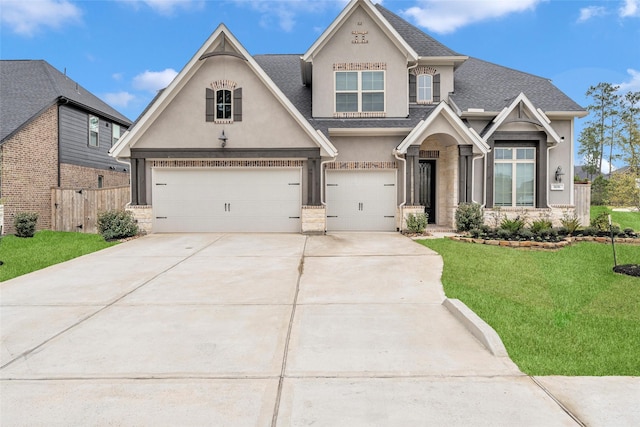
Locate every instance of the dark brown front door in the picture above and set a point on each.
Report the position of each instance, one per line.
(427, 188)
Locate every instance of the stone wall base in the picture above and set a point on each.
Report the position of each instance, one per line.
(314, 219)
(492, 217)
(143, 215)
(402, 214)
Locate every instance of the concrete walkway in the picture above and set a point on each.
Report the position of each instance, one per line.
(270, 330)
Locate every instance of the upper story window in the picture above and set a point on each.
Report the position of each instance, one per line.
(425, 88)
(514, 176)
(115, 134)
(424, 85)
(94, 126)
(223, 102)
(359, 91)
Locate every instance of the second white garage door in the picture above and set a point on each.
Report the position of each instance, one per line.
(361, 200)
(233, 200)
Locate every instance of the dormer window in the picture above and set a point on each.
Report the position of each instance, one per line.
(425, 89)
(223, 102)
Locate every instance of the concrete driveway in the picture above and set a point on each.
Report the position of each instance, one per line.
(269, 330)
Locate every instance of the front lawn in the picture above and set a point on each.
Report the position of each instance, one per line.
(625, 219)
(558, 313)
(24, 255)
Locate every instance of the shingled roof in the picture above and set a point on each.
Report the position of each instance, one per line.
(481, 84)
(28, 87)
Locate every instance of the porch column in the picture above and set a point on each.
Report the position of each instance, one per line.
(138, 182)
(465, 173)
(413, 179)
(313, 181)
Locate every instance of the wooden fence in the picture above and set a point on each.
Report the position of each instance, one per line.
(77, 210)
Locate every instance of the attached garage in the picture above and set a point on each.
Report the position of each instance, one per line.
(361, 200)
(226, 200)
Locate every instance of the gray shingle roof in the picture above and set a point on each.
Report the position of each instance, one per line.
(27, 87)
(423, 44)
(481, 84)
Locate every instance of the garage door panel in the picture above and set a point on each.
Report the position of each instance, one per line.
(361, 200)
(252, 200)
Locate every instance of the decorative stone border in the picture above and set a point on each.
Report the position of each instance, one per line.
(543, 245)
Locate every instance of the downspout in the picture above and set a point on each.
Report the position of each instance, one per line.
(473, 176)
(322, 172)
(404, 181)
(549, 174)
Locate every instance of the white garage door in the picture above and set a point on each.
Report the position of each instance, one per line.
(234, 200)
(363, 200)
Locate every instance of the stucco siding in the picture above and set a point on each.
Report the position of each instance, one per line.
(377, 49)
(265, 122)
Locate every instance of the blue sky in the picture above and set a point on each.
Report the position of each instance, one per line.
(125, 50)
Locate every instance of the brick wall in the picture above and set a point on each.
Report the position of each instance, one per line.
(30, 169)
(73, 176)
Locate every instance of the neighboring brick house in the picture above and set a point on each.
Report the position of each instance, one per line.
(53, 133)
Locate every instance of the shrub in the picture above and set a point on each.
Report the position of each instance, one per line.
(117, 225)
(629, 232)
(469, 216)
(512, 225)
(540, 224)
(549, 234)
(601, 221)
(476, 233)
(504, 234)
(590, 231)
(525, 234)
(600, 191)
(417, 223)
(25, 224)
(570, 222)
(563, 231)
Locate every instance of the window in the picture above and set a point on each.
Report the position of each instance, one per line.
(115, 134)
(100, 181)
(425, 88)
(514, 176)
(94, 123)
(223, 104)
(359, 91)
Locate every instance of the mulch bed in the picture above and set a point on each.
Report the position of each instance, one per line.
(628, 269)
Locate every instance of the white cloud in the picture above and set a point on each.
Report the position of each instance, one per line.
(447, 16)
(633, 85)
(153, 81)
(119, 99)
(27, 17)
(586, 13)
(630, 9)
(117, 76)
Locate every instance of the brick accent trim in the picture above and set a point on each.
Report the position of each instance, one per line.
(226, 163)
(362, 165)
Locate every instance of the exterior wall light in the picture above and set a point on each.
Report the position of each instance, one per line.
(223, 139)
(559, 174)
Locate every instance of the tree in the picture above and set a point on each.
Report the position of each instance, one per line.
(630, 130)
(602, 130)
(590, 151)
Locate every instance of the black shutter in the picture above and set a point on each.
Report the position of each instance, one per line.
(237, 105)
(210, 105)
(436, 88)
(412, 88)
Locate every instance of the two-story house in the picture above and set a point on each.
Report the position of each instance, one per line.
(375, 120)
(53, 133)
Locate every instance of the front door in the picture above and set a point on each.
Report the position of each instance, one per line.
(427, 188)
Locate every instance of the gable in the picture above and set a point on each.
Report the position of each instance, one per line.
(177, 117)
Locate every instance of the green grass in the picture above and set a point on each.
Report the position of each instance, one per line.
(24, 255)
(558, 313)
(625, 219)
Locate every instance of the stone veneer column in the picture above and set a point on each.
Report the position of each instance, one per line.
(314, 219)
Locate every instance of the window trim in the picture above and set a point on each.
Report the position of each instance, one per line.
(96, 131)
(418, 87)
(216, 104)
(359, 91)
(114, 139)
(514, 161)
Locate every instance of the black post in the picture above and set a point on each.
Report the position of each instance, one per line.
(613, 246)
